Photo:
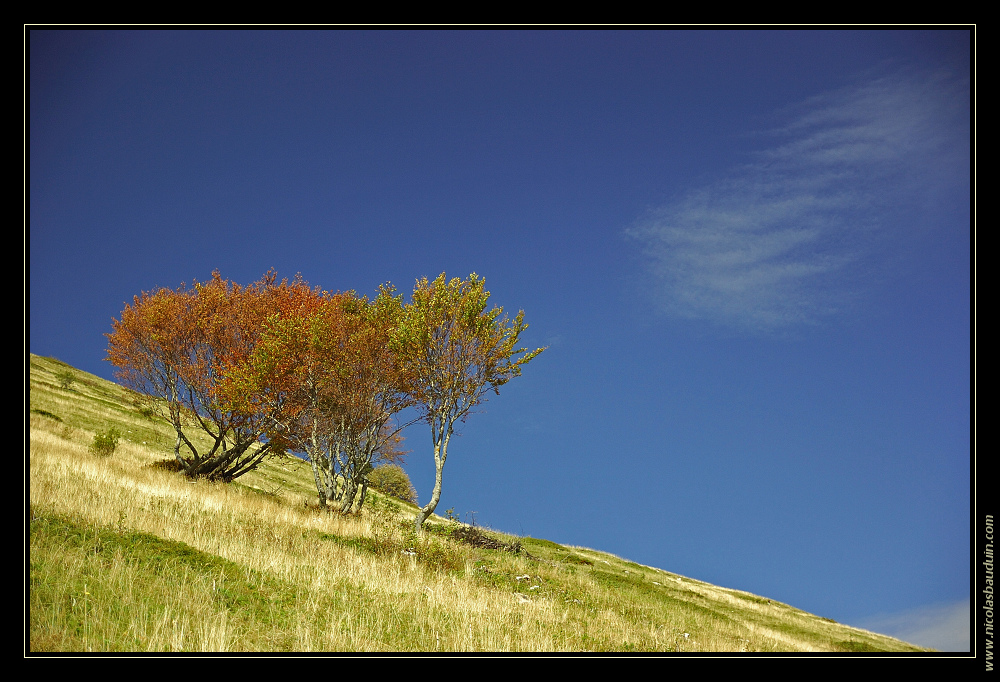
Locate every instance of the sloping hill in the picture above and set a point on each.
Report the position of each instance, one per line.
(126, 555)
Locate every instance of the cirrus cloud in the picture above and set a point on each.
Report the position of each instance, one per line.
(787, 238)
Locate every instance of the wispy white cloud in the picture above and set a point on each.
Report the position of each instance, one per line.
(944, 627)
(784, 240)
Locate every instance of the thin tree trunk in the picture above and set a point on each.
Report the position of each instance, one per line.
(364, 491)
(440, 455)
(314, 455)
(177, 452)
(350, 491)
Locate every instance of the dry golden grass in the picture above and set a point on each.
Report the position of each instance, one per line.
(125, 556)
(270, 538)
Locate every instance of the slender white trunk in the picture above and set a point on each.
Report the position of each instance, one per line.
(440, 455)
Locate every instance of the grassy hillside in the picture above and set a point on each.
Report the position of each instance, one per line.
(125, 555)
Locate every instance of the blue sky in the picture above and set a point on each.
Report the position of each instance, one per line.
(748, 253)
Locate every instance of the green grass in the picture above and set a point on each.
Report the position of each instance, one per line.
(89, 589)
(127, 555)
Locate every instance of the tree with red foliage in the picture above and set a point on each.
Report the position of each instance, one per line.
(180, 348)
(333, 370)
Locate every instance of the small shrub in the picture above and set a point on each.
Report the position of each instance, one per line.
(65, 378)
(392, 480)
(104, 444)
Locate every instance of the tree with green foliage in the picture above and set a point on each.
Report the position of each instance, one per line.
(456, 351)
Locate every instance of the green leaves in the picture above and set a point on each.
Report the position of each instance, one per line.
(458, 349)
(455, 349)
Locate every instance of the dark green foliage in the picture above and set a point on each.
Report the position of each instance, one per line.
(392, 480)
(105, 443)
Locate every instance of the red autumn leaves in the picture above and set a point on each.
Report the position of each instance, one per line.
(281, 366)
